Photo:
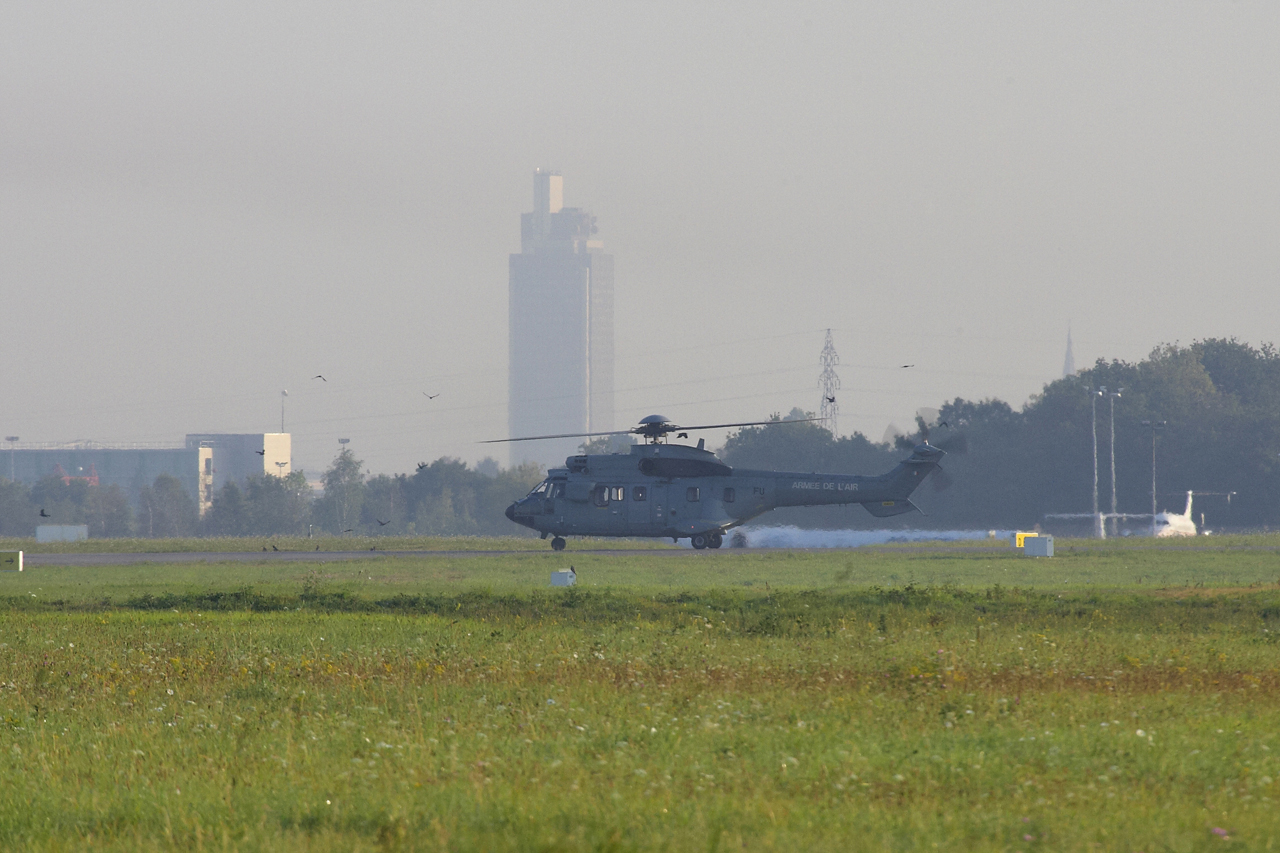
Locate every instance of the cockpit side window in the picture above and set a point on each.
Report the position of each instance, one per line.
(557, 490)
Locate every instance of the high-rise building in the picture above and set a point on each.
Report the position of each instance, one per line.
(561, 327)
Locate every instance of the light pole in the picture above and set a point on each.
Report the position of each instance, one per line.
(1099, 531)
(1113, 395)
(342, 507)
(12, 439)
(1155, 426)
(281, 465)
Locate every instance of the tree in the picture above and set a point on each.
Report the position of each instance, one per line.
(107, 512)
(339, 509)
(278, 506)
(384, 505)
(17, 517)
(229, 515)
(165, 509)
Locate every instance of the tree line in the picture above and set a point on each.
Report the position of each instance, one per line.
(1219, 400)
(445, 498)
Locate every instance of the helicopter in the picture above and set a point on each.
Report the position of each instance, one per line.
(660, 489)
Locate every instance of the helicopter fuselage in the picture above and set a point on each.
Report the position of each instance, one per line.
(661, 490)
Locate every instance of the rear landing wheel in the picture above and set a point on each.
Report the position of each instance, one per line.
(557, 544)
(715, 540)
(699, 541)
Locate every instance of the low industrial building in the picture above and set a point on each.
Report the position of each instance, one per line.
(202, 464)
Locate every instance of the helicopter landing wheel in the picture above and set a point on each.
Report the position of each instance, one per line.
(699, 541)
(715, 540)
(557, 544)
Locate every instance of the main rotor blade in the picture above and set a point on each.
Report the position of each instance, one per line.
(752, 423)
(562, 435)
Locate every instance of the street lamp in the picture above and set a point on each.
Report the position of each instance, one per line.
(1154, 426)
(281, 465)
(1099, 531)
(12, 439)
(1113, 395)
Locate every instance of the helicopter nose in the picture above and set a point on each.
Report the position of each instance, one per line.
(511, 512)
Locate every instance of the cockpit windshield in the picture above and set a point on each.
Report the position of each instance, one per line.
(541, 490)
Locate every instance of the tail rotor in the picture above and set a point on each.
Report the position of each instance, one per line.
(937, 432)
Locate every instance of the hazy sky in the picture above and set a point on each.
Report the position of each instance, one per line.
(203, 204)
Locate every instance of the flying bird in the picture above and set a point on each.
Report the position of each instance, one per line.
(44, 514)
(348, 530)
(908, 365)
(682, 435)
(831, 399)
(430, 396)
(274, 548)
(421, 465)
(382, 523)
(320, 377)
(262, 452)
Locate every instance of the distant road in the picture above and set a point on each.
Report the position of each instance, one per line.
(108, 559)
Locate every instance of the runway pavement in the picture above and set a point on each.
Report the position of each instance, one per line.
(108, 559)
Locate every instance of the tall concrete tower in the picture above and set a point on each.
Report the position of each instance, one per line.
(1069, 363)
(561, 327)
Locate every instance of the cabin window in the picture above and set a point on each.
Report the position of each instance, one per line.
(691, 494)
(729, 496)
(600, 496)
(557, 490)
(639, 493)
(618, 493)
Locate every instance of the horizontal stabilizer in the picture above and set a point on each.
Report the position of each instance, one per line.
(884, 509)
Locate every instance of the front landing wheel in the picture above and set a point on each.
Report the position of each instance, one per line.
(715, 540)
(557, 544)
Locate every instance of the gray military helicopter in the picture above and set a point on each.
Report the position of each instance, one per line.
(661, 489)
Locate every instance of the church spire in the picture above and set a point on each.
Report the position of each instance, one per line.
(1069, 365)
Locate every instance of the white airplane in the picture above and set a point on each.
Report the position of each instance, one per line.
(1173, 524)
(1167, 523)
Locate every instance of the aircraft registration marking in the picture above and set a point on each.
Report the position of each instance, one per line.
(826, 487)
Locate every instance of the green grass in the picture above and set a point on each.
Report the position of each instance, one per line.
(1105, 699)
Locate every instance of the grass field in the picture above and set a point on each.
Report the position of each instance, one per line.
(1114, 698)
